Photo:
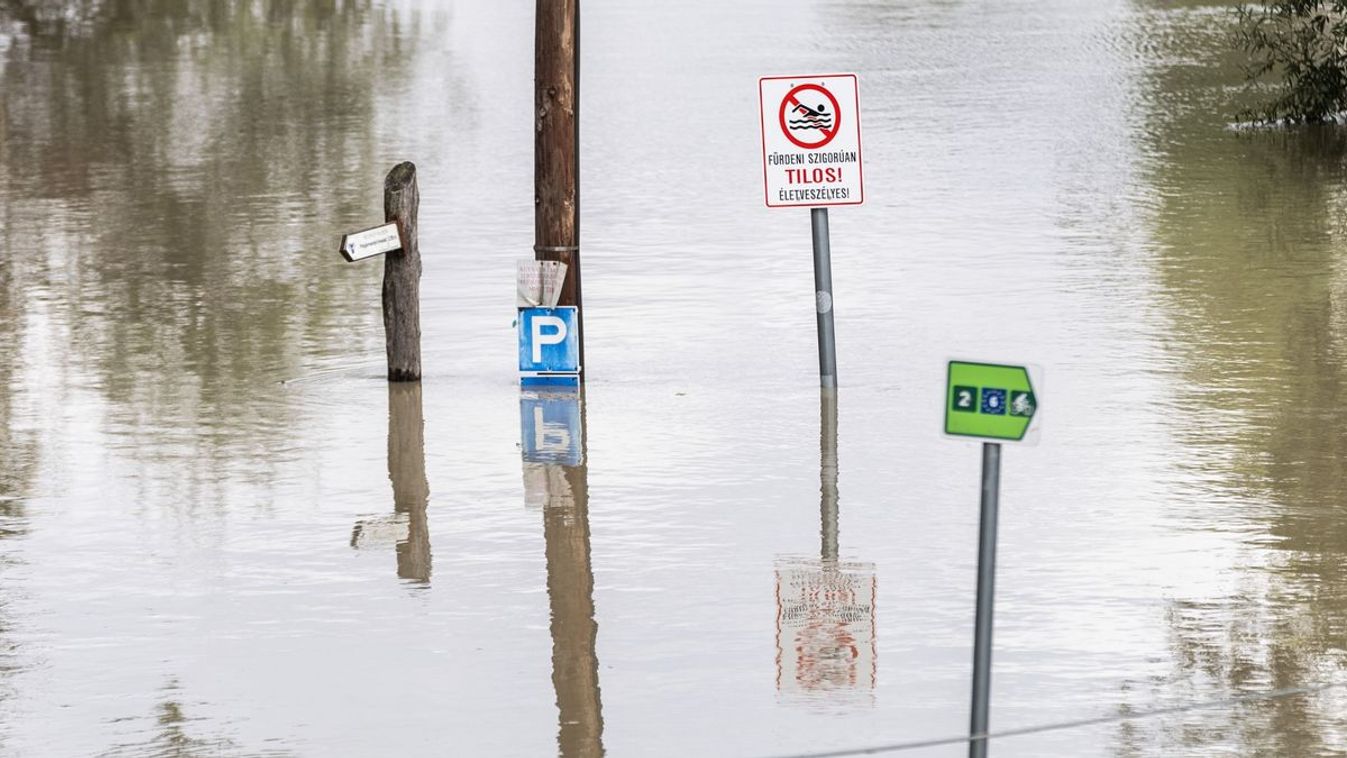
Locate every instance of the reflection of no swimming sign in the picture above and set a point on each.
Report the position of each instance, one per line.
(811, 140)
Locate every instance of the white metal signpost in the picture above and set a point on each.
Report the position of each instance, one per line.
(371, 242)
(811, 157)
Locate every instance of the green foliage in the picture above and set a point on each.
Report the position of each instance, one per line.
(1302, 43)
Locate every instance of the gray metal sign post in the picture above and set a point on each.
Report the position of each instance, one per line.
(823, 298)
(982, 636)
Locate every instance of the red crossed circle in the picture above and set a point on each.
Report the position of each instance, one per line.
(791, 105)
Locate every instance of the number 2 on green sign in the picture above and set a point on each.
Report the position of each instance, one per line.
(966, 399)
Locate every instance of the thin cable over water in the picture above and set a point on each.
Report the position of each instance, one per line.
(1061, 725)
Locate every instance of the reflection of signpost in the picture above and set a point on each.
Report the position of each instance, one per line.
(825, 609)
(995, 402)
(825, 628)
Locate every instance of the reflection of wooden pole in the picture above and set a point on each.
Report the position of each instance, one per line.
(828, 472)
(556, 149)
(407, 471)
(402, 277)
(570, 588)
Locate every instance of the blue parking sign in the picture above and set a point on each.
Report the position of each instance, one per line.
(549, 345)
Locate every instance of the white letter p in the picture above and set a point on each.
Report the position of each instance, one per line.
(553, 338)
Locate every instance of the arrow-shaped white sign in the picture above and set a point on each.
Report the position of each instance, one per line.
(370, 242)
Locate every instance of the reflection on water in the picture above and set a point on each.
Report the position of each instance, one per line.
(1248, 235)
(172, 736)
(407, 471)
(18, 450)
(827, 472)
(825, 608)
(562, 491)
(168, 189)
(407, 528)
(825, 632)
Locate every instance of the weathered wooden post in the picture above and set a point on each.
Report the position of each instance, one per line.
(556, 150)
(402, 277)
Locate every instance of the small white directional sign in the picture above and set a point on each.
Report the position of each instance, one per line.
(811, 140)
(371, 242)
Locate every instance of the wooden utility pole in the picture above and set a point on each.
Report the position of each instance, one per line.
(402, 277)
(556, 147)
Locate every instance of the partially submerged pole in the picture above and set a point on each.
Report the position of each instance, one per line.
(556, 148)
(986, 601)
(823, 298)
(402, 277)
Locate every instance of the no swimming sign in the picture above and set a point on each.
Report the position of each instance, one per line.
(811, 140)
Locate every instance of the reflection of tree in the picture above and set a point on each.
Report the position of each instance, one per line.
(171, 738)
(19, 450)
(174, 173)
(1245, 231)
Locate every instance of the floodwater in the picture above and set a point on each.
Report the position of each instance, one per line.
(222, 533)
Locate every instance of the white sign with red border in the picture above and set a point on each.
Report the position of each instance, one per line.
(811, 140)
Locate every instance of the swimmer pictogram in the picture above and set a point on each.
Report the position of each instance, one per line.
(810, 116)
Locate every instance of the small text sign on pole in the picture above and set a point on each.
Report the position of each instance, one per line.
(382, 239)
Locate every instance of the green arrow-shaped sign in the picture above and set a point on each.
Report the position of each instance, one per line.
(989, 400)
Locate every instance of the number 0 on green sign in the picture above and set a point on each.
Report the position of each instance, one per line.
(989, 400)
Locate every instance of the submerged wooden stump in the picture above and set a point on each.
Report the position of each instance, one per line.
(402, 277)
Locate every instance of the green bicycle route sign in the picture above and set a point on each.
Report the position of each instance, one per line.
(989, 400)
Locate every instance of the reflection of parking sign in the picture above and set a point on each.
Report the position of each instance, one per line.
(549, 344)
(549, 429)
